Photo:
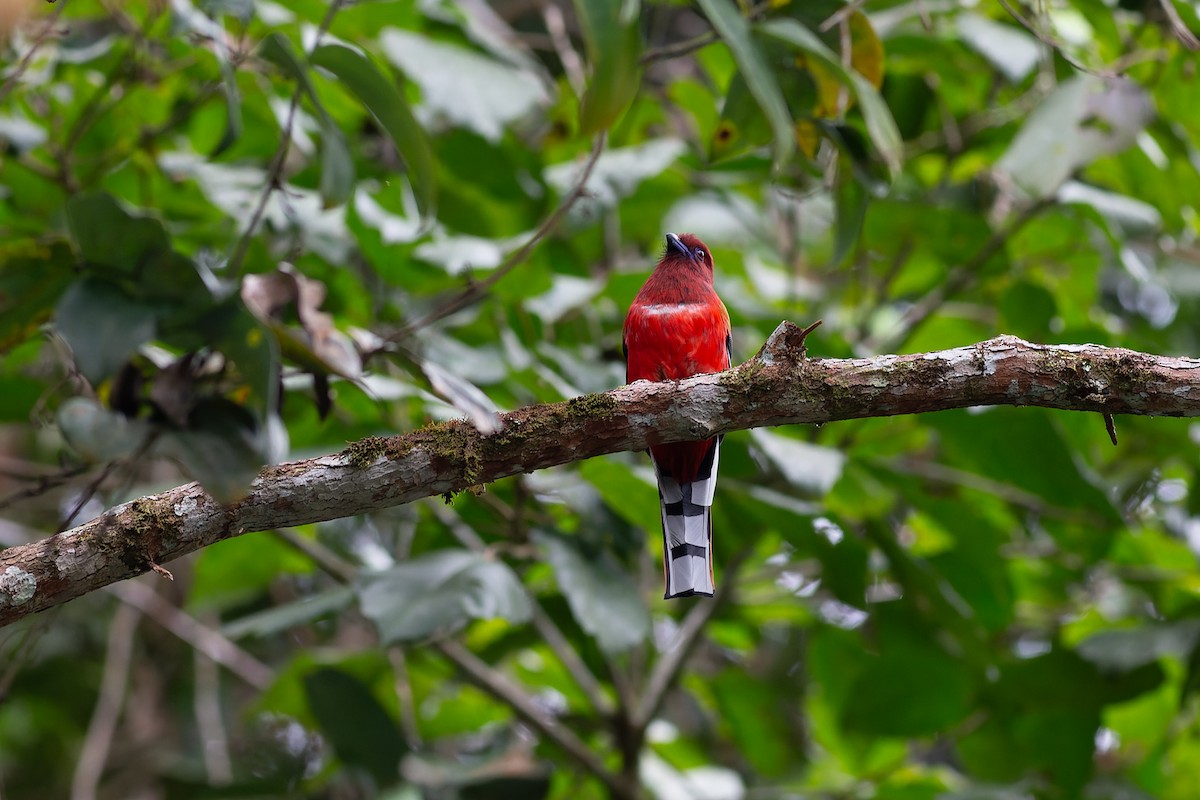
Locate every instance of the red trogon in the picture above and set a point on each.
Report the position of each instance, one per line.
(678, 327)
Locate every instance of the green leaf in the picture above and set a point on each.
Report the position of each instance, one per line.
(603, 598)
(1027, 309)
(103, 326)
(233, 100)
(1127, 650)
(250, 345)
(757, 720)
(614, 45)
(851, 200)
(880, 125)
(630, 498)
(1085, 118)
(32, 278)
(221, 448)
(241, 570)
(384, 100)
(908, 691)
(337, 167)
(96, 433)
(361, 732)
(299, 612)
(108, 235)
(440, 591)
(760, 80)
(280, 618)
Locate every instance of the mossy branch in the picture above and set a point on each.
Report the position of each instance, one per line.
(779, 386)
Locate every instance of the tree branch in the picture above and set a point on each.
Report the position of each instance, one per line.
(779, 386)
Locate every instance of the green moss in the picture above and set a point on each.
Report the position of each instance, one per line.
(365, 452)
(591, 405)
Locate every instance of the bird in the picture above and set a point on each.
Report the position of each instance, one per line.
(678, 327)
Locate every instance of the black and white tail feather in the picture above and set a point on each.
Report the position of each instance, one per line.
(687, 528)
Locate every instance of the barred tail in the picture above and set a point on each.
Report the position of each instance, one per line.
(687, 530)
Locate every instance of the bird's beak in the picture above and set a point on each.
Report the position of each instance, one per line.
(673, 243)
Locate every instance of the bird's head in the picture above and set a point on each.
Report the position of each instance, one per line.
(686, 248)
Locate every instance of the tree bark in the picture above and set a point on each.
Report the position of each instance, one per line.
(779, 386)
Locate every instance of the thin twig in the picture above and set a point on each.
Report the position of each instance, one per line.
(206, 704)
(334, 565)
(1054, 44)
(118, 657)
(477, 290)
(87, 494)
(677, 49)
(554, 637)
(960, 279)
(572, 64)
(499, 686)
(197, 634)
(11, 82)
(940, 473)
(44, 484)
(1180, 29)
(275, 171)
(578, 670)
(404, 695)
(668, 667)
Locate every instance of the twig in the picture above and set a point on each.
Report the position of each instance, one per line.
(1014, 495)
(198, 635)
(578, 670)
(1054, 44)
(1181, 31)
(334, 565)
(404, 695)
(677, 49)
(117, 659)
(477, 290)
(962, 277)
(572, 64)
(668, 667)
(541, 620)
(275, 171)
(1110, 425)
(42, 36)
(44, 484)
(206, 704)
(499, 686)
(87, 494)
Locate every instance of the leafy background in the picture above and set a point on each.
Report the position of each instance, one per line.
(241, 231)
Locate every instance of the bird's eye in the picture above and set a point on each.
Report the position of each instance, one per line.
(700, 254)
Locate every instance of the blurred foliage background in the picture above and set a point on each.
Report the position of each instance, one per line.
(240, 231)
